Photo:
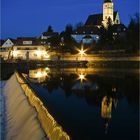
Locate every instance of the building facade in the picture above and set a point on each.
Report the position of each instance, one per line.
(25, 48)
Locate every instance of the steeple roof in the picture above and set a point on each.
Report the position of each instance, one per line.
(107, 1)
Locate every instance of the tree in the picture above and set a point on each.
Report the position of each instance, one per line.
(50, 29)
(103, 36)
(133, 34)
(78, 25)
(110, 32)
(68, 41)
(106, 35)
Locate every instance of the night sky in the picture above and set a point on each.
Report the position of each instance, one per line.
(32, 17)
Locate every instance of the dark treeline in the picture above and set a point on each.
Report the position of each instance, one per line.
(129, 40)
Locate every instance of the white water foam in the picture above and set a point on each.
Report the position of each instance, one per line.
(21, 117)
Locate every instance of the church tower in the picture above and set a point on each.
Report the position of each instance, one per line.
(108, 11)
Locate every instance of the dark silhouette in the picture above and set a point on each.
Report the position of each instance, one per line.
(132, 38)
(50, 29)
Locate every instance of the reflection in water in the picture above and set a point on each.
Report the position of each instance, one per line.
(82, 77)
(38, 75)
(106, 110)
(77, 98)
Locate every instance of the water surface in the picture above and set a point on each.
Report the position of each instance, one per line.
(91, 104)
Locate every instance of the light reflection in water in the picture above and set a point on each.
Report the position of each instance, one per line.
(38, 75)
(82, 77)
(92, 85)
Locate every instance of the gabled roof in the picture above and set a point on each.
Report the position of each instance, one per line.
(8, 42)
(20, 41)
(13, 40)
(97, 19)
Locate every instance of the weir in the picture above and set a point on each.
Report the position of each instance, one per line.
(22, 122)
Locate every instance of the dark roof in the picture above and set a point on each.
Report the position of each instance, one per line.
(107, 1)
(13, 40)
(94, 19)
(3, 41)
(26, 38)
(20, 40)
(87, 30)
(97, 19)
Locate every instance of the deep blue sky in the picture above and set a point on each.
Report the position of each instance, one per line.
(32, 17)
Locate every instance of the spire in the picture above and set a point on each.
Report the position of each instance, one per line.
(107, 1)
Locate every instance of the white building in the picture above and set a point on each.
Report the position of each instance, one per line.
(26, 49)
(29, 49)
(86, 35)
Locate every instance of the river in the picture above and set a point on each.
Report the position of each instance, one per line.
(90, 104)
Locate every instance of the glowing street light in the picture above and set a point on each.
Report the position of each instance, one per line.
(82, 52)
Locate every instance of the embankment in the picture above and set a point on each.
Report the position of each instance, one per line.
(21, 122)
(26, 116)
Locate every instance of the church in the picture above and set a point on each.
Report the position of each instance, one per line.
(102, 19)
(90, 31)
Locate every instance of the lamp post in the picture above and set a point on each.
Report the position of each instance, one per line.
(82, 52)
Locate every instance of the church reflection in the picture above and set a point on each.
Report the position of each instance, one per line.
(106, 111)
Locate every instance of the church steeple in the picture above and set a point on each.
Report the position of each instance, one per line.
(108, 11)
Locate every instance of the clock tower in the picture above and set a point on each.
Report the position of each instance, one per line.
(108, 11)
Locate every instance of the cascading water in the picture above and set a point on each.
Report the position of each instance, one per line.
(21, 117)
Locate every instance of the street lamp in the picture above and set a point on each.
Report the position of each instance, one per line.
(82, 52)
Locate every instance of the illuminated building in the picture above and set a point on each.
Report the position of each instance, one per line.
(90, 32)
